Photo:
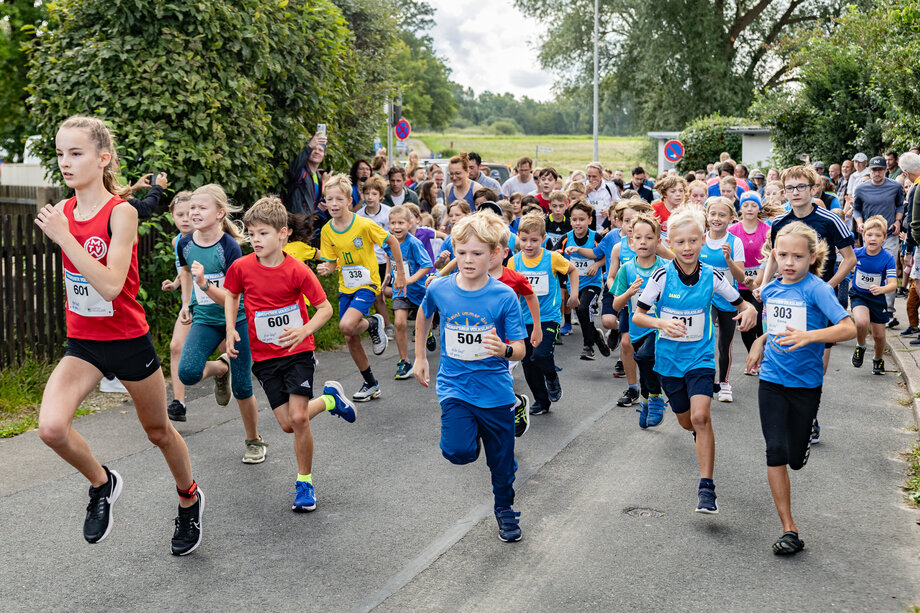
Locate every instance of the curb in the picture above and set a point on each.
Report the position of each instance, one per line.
(910, 370)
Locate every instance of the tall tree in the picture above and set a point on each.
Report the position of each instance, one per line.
(674, 60)
(18, 20)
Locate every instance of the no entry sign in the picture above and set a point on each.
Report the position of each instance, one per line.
(402, 129)
(673, 150)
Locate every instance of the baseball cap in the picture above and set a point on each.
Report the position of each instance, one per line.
(860, 157)
(751, 195)
(877, 162)
(757, 175)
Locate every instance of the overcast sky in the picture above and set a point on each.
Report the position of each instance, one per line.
(490, 45)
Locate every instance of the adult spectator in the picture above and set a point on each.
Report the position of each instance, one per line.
(881, 196)
(397, 192)
(760, 182)
(910, 164)
(860, 174)
(461, 188)
(480, 177)
(892, 171)
(600, 193)
(413, 166)
(820, 169)
(835, 175)
(638, 184)
(427, 195)
(303, 185)
(741, 177)
(149, 204)
(521, 182)
(726, 169)
(846, 171)
(359, 173)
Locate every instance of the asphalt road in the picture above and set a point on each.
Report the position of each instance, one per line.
(399, 528)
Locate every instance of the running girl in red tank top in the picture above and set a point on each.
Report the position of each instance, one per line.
(107, 332)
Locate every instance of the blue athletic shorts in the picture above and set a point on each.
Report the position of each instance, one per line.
(361, 300)
(607, 304)
(624, 321)
(680, 390)
(878, 309)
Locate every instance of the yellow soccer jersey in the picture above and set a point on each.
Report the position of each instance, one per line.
(353, 252)
(300, 250)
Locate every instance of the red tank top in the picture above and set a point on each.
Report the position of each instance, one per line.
(89, 315)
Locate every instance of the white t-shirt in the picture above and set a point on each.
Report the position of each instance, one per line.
(382, 219)
(601, 198)
(397, 200)
(514, 185)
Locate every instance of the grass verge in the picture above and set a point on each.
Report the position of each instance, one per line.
(912, 486)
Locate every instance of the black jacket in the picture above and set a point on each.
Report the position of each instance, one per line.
(300, 194)
(147, 206)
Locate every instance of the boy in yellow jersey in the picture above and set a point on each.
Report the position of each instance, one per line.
(347, 244)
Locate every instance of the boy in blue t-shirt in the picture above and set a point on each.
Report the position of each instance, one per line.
(416, 265)
(875, 275)
(475, 386)
(801, 314)
(682, 292)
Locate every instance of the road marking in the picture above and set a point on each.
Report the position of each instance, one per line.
(452, 536)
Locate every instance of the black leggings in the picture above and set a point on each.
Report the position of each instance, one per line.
(749, 336)
(786, 415)
(586, 296)
(726, 335)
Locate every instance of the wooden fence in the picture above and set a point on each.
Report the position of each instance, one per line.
(32, 320)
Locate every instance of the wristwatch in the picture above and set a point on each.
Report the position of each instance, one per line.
(207, 284)
(509, 351)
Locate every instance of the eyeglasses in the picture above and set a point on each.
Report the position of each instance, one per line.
(798, 188)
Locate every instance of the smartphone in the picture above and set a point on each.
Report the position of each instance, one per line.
(153, 177)
(802, 157)
(321, 128)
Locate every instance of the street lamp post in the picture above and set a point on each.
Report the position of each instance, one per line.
(595, 79)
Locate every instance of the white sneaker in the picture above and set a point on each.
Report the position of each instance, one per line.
(390, 331)
(725, 392)
(112, 386)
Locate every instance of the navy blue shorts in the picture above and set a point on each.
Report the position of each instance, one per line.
(680, 390)
(878, 309)
(624, 320)
(361, 300)
(607, 304)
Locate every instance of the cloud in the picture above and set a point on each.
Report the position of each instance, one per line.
(491, 47)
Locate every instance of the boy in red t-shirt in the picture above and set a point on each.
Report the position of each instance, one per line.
(281, 334)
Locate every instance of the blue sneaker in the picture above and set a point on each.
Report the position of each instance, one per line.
(508, 528)
(566, 329)
(344, 408)
(707, 502)
(554, 389)
(642, 410)
(656, 405)
(305, 500)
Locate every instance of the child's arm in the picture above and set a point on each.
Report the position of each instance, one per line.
(582, 251)
(614, 267)
(662, 251)
(747, 315)
(755, 355)
(890, 286)
(621, 300)
(792, 339)
(533, 305)
(294, 336)
(326, 267)
(735, 267)
(213, 291)
(231, 307)
(573, 300)
(497, 346)
(420, 274)
(400, 282)
(185, 280)
(593, 268)
(422, 328)
(674, 328)
(846, 266)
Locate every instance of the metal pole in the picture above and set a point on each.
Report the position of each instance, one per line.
(536, 156)
(595, 78)
(390, 135)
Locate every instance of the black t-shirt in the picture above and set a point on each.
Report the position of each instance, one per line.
(830, 228)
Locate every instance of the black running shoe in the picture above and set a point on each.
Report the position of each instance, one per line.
(99, 519)
(629, 398)
(187, 536)
(587, 353)
(602, 345)
(176, 411)
(618, 371)
(613, 339)
(878, 366)
(521, 415)
(858, 354)
(788, 544)
(431, 343)
(893, 322)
